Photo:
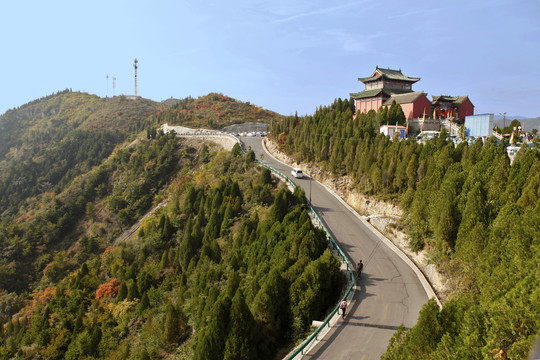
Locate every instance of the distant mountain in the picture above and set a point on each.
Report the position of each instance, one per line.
(511, 117)
(526, 123)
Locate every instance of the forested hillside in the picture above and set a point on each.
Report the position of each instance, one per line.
(45, 144)
(477, 215)
(48, 142)
(214, 111)
(231, 267)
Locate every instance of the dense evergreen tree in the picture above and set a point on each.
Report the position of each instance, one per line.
(240, 342)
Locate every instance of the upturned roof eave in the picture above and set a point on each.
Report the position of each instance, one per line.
(366, 93)
(458, 100)
(390, 77)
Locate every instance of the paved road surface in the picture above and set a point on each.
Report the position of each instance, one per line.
(389, 293)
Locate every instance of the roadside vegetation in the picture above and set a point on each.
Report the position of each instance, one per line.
(477, 215)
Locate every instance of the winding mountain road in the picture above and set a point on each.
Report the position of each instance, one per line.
(389, 293)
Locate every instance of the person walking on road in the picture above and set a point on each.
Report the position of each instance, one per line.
(359, 268)
(343, 307)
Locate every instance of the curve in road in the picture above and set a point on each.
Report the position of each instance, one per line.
(389, 293)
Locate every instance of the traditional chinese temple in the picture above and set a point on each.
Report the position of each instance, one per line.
(385, 86)
(457, 107)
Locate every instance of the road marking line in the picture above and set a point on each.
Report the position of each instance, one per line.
(385, 312)
(363, 357)
(380, 271)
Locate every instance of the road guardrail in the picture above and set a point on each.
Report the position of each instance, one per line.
(314, 336)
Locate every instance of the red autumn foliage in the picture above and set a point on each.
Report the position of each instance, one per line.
(107, 251)
(22, 218)
(282, 138)
(43, 296)
(109, 289)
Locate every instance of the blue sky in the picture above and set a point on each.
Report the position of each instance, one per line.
(284, 55)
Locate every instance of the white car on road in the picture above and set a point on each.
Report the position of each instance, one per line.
(297, 173)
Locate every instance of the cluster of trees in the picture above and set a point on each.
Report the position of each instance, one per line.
(139, 174)
(231, 268)
(514, 124)
(39, 170)
(335, 141)
(477, 214)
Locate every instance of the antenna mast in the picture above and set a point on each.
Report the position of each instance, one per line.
(113, 85)
(136, 67)
(107, 77)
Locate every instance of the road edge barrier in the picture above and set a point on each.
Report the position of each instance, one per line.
(305, 345)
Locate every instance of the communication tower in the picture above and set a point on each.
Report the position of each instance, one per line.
(113, 85)
(135, 66)
(107, 77)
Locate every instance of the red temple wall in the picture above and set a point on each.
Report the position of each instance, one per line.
(419, 106)
(466, 108)
(365, 106)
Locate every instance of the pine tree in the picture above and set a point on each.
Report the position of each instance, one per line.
(122, 292)
(227, 220)
(171, 327)
(164, 263)
(471, 237)
(211, 343)
(95, 339)
(144, 304)
(270, 308)
(266, 177)
(132, 292)
(78, 326)
(280, 207)
(240, 343)
(426, 333)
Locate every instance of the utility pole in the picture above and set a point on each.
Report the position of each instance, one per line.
(136, 66)
(310, 180)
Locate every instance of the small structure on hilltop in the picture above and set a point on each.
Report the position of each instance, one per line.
(386, 84)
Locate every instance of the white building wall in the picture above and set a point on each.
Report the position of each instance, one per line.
(479, 125)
